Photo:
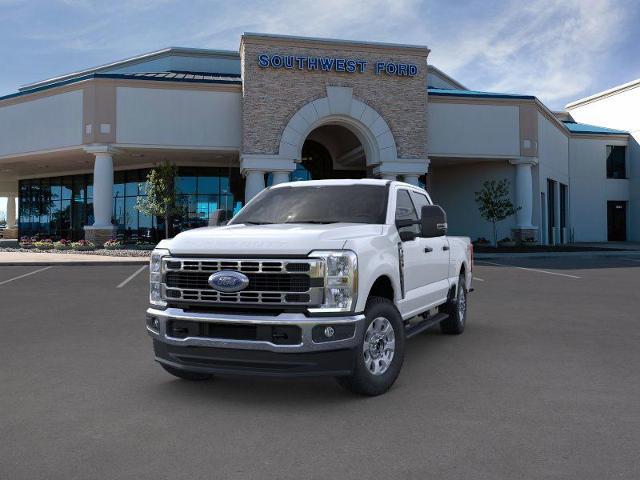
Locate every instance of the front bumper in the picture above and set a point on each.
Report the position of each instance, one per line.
(309, 355)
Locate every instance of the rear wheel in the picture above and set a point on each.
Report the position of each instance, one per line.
(456, 308)
(378, 359)
(185, 374)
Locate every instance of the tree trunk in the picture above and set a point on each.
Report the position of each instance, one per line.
(166, 226)
(495, 235)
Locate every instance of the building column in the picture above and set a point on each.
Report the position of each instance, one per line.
(524, 198)
(280, 176)
(11, 212)
(254, 165)
(557, 228)
(254, 183)
(102, 228)
(412, 179)
(409, 169)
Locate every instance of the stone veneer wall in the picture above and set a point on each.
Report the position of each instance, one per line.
(272, 96)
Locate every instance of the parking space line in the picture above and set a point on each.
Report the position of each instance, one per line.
(132, 276)
(478, 279)
(528, 269)
(25, 275)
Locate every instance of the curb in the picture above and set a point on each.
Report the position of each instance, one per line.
(617, 253)
(87, 263)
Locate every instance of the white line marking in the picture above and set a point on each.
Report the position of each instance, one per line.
(25, 275)
(478, 279)
(132, 276)
(529, 269)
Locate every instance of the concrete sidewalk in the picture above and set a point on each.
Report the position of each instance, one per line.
(35, 259)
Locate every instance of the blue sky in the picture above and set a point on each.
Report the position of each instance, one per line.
(557, 50)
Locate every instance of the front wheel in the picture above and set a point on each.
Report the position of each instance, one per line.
(379, 358)
(457, 310)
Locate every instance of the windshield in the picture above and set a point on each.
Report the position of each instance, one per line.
(317, 204)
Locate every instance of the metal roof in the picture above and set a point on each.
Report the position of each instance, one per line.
(444, 92)
(585, 128)
(187, 77)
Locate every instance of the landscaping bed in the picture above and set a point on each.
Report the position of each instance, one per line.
(126, 252)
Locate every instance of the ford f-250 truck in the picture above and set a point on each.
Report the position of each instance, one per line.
(325, 277)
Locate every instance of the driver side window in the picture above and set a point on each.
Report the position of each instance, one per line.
(406, 211)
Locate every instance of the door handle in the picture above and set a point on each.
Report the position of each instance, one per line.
(445, 247)
(428, 249)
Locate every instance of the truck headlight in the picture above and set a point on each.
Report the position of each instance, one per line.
(340, 280)
(155, 277)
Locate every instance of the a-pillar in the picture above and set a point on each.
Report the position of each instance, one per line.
(524, 229)
(102, 228)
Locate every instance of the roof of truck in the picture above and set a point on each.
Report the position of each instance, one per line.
(348, 181)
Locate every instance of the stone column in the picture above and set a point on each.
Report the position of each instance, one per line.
(412, 179)
(280, 176)
(524, 198)
(387, 176)
(102, 228)
(11, 212)
(254, 165)
(254, 183)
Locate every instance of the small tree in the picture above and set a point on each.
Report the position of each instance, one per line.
(494, 203)
(161, 200)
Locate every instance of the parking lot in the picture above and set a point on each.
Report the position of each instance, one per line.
(545, 383)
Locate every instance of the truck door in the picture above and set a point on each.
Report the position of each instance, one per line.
(436, 259)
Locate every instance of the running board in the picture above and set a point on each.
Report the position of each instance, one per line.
(422, 326)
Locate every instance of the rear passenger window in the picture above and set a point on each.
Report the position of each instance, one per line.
(406, 211)
(419, 201)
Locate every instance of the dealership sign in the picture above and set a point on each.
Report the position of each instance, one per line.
(335, 64)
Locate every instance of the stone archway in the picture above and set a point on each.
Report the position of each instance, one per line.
(339, 107)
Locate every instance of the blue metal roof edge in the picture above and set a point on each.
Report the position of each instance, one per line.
(596, 130)
(122, 76)
(441, 92)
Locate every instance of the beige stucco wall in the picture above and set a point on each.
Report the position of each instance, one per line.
(272, 96)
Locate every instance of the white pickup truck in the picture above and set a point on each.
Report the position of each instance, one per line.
(326, 277)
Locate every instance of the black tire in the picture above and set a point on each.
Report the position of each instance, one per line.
(186, 374)
(457, 310)
(362, 380)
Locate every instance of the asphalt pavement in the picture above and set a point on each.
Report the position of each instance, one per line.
(544, 383)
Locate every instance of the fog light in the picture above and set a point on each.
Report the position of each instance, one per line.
(154, 324)
(329, 332)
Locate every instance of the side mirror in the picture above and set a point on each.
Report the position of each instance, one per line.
(434, 221)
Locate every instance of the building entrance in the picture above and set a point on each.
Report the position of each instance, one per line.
(333, 151)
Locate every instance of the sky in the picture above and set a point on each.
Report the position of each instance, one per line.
(557, 50)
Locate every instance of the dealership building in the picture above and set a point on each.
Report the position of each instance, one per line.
(75, 149)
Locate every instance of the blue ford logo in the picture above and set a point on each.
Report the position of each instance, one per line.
(228, 281)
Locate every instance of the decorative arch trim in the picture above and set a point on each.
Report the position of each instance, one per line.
(339, 107)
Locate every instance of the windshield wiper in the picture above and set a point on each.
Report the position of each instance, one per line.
(258, 223)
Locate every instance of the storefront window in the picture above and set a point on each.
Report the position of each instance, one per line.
(59, 207)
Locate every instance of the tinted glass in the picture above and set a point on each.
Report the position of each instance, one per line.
(616, 162)
(419, 201)
(315, 204)
(406, 211)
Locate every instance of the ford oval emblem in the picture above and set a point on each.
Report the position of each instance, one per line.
(228, 281)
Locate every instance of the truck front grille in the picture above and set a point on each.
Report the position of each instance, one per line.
(271, 282)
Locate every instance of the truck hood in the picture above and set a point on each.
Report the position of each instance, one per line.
(278, 239)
